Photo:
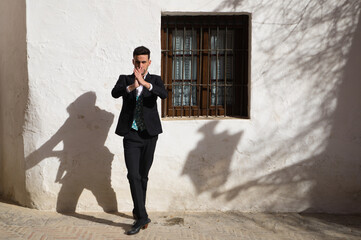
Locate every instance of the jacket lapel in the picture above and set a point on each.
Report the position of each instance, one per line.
(134, 92)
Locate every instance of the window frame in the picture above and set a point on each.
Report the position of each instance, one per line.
(203, 25)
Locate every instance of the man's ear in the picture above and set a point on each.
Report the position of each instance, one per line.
(150, 61)
(133, 61)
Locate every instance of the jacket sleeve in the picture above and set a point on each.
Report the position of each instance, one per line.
(159, 89)
(120, 88)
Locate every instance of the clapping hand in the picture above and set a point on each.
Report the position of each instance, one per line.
(138, 75)
(139, 80)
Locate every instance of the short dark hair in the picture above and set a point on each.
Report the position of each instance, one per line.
(141, 51)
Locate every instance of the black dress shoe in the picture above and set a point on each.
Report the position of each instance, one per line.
(139, 224)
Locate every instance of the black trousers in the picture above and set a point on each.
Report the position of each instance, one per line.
(139, 150)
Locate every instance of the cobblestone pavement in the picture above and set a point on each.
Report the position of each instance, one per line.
(23, 223)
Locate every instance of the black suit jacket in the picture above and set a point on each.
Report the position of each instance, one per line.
(150, 111)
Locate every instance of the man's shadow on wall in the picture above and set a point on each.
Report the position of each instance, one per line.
(85, 163)
(208, 165)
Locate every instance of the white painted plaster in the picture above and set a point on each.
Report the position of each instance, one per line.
(298, 152)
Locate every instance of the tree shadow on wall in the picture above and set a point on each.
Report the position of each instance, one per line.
(208, 165)
(85, 163)
(329, 180)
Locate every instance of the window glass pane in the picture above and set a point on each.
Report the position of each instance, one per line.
(218, 45)
(189, 44)
(184, 67)
(217, 67)
(216, 91)
(189, 99)
(190, 64)
(221, 65)
(177, 68)
(218, 40)
(190, 67)
(220, 92)
(177, 94)
(229, 67)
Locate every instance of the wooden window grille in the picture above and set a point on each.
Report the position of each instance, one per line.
(205, 66)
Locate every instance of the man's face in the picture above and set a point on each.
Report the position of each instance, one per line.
(141, 62)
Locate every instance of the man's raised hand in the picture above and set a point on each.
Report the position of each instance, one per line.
(139, 78)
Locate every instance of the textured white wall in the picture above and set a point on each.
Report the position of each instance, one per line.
(298, 152)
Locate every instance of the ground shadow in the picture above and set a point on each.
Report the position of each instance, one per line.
(208, 164)
(85, 163)
(90, 218)
(312, 225)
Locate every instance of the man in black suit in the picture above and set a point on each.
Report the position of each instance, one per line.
(140, 125)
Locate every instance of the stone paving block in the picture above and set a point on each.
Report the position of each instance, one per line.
(23, 223)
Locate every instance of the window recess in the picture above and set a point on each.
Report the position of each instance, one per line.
(205, 64)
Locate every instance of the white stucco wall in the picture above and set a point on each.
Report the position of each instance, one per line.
(298, 152)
